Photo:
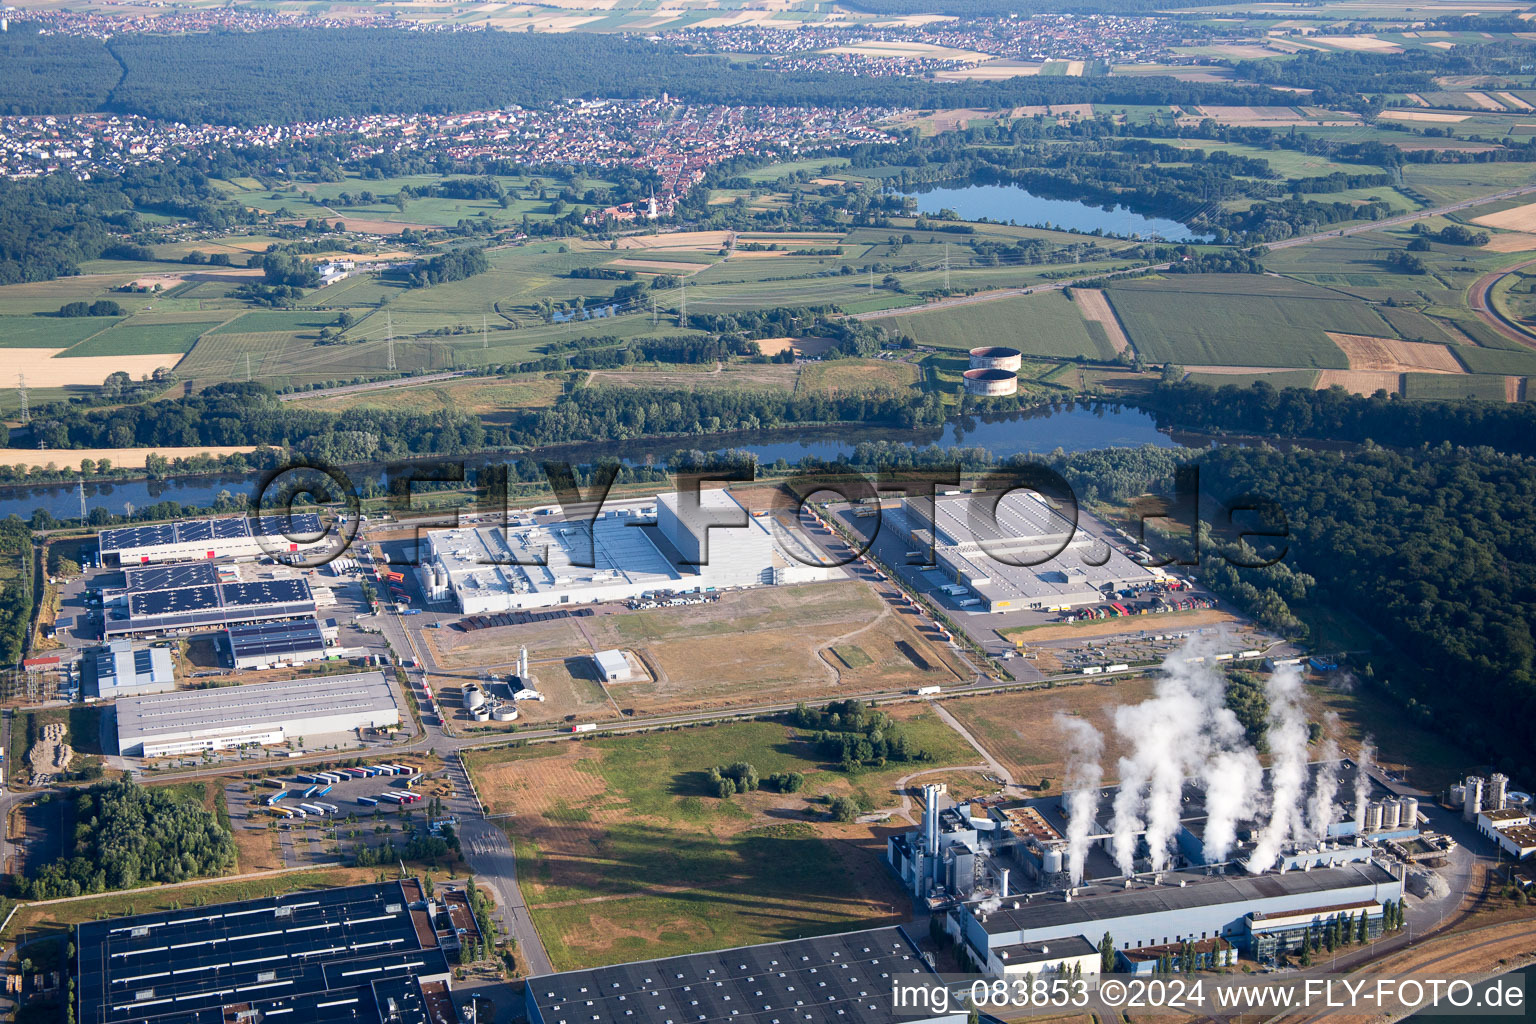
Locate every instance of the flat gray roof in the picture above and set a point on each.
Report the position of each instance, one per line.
(250, 706)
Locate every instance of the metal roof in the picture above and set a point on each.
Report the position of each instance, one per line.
(284, 637)
(252, 706)
(192, 531)
(332, 955)
(833, 978)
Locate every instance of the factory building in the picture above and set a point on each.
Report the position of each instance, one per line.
(969, 541)
(123, 670)
(363, 953)
(256, 714)
(962, 851)
(240, 537)
(634, 550)
(824, 980)
(200, 595)
(1263, 914)
(261, 645)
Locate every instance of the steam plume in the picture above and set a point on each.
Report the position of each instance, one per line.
(1288, 774)
(1084, 776)
(1362, 780)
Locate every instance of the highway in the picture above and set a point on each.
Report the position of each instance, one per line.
(377, 385)
(1479, 298)
(1286, 243)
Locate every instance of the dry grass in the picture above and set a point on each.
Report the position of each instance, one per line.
(45, 368)
(1367, 44)
(1361, 382)
(134, 457)
(1094, 306)
(1511, 241)
(1421, 115)
(1112, 627)
(992, 71)
(1520, 218)
(1056, 109)
(1368, 353)
(845, 376)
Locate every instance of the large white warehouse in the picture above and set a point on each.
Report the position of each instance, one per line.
(669, 544)
(191, 721)
(234, 537)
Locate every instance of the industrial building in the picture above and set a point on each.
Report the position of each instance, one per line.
(1264, 914)
(612, 666)
(364, 953)
(256, 714)
(200, 595)
(832, 979)
(238, 537)
(123, 670)
(255, 646)
(1499, 814)
(1083, 567)
(962, 851)
(635, 549)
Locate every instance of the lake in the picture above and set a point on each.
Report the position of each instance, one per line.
(1077, 428)
(1017, 204)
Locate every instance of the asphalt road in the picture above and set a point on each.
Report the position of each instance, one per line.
(1482, 305)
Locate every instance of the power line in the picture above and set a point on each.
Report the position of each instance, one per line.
(21, 389)
(389, 328)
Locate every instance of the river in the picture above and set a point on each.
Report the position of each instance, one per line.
(1077, 428)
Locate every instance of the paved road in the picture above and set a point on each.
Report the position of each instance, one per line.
(377, 385)
(1286, 243)
(1478, 297)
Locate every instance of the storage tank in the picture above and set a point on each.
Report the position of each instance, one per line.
(1373, 817)
(505, 713)
(996, 357)
(1498, 785)
(1410, 815)
(1391, 814)
(991, 383)
(473, 697)
(1052, 861)
(1472, 800)
(482, 713)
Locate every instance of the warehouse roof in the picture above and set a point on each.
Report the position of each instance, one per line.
(833, 978)
(332, 955)
(269, 638)
(305, 524)
(1177, 892)
(182, 597)
(249, 707)
(1052, 951)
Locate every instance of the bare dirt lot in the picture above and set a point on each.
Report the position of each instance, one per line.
(817, 641)
(1361, 382)
(1112, 627)
(1520, 218)
(1369, 353)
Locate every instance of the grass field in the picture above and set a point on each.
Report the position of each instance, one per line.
(1239, 320)
(842, 376)
(49, 331)
(133, 339)
(626, 851)
(1042, 325)
(488, 399)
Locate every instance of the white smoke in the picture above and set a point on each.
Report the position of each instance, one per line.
(1083, 777)
(1184, 730)
(1288, 772)
(1232, 787)
(990, 906)
(1363, 780)
(1325, 784)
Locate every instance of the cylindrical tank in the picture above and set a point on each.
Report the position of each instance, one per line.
(482, 713)
(1498, 785)
(1052, 861)
(1373, 817)
(1391, 814)
(505, 713)
(1410, 815)
(996, 357)
(991, 383)
(473, 697)
(1472, 798)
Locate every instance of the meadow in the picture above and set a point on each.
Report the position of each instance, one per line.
(1047, 324)
(625, 850)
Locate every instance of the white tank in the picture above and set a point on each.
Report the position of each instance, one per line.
(1410, 815)
(473, 697)
(1373, 817)
(1052, 861)
(482, 713)
(1498, 785)
(504, 713)
(1391, 814)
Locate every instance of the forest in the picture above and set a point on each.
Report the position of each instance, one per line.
(127, 835)
(286, 75)
(1339, 415)
(16, 596)
(1433, 549)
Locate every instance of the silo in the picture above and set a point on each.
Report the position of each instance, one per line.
(1373, 817)
(996, 357)
(1472, 800)
(1391, 814)
(1498, 785)
(473, 697)
(482, 713)
(1410, 815)
(1052, 860)
(991, 383)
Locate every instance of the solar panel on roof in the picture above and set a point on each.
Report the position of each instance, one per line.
(194, 530)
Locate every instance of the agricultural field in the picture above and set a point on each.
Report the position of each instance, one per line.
(1047, 324)
(626, 852)
(490, 400)
(1239, 320)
